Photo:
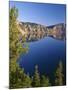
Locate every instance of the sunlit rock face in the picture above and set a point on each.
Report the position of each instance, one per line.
(57, 31)
(34, 32)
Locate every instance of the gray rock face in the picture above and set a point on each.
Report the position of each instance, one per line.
(57, 31)
(35, 31)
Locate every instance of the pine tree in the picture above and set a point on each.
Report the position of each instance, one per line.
(23, 80)
(45, 81)
(16, 48)
(59, 75)
(26, 81)
(16, 77)
(36, 78)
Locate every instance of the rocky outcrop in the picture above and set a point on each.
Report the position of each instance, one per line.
(33, 31)
(57, 31)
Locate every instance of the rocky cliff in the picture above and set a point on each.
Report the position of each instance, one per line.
(33, 31)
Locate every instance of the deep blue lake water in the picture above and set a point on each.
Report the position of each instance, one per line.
(46, 53)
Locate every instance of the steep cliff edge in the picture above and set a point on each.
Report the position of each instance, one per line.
(33, 31)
